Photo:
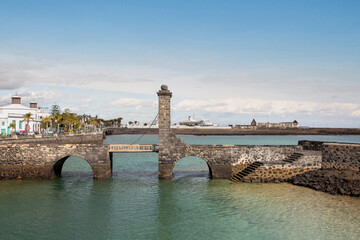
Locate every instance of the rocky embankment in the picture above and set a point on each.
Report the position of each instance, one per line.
(333, 181)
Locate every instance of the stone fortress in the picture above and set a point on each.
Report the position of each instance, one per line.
(43, 158)
(257, 125)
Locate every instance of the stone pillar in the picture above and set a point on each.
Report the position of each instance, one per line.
(165, 165)
(164, 110)
(101, 171)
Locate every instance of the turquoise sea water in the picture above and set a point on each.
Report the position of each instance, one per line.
(134, 204)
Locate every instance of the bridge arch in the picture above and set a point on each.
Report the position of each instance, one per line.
(59, 163)
(192, 162)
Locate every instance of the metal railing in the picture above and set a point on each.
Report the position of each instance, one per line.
(133, 148)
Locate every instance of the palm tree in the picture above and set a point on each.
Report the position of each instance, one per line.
(58, 119)
(95, 123)
(45, 121)
(77, 122)
(27, 117)
(13, 126)
(119, 121)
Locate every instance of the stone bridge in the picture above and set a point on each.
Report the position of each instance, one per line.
(43, 158)
(242, 163)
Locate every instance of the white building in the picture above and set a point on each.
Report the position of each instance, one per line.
(14, 112)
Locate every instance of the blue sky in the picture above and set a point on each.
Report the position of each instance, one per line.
(227, 61)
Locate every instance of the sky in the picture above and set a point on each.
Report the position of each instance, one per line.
(226, 61)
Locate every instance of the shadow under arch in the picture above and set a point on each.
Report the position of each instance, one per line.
(191, 164)
(58, 166)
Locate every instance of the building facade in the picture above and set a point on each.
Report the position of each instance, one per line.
(14, 112)
(256, 125)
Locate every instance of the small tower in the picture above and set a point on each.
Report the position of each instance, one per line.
(253, 123)
(164, 108)
(33, 105)
(15, 100)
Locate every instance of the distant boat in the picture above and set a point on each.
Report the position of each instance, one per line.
(192, 122)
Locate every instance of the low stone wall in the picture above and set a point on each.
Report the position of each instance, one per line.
(275, 174)
(61, 139)
(45, 161)
(336, 155)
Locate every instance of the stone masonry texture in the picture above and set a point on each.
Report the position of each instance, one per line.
(43, 160)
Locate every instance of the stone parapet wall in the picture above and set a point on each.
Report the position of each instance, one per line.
(61, 139)
(309, 158)
(341, 156)
(236, 154)
(336, 155)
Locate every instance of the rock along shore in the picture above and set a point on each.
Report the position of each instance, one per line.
(333, 181)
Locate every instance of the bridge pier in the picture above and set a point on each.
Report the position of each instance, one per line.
(165, 170)
(102, 171)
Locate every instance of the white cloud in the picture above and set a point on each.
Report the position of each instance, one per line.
(276, 93)
(27, 96)
(268, 107)
(133, 103)
(17, 72)
(356, 113)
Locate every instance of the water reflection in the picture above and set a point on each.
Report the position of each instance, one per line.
(191, 167)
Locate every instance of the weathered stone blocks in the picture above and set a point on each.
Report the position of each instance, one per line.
(45, 161)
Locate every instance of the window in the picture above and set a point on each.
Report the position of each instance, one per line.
(20, 124)
(3, 123)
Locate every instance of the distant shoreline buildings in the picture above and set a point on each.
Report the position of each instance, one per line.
(279, 125)
(205, 124)
(15, 111)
